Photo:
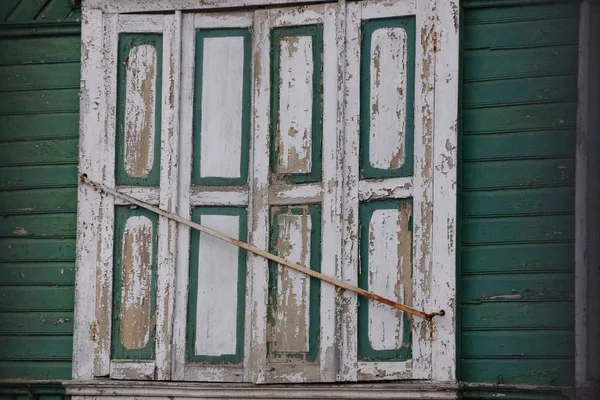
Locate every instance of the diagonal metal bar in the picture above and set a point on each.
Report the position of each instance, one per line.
(255, 250)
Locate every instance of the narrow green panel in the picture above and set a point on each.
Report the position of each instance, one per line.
(6, 8)
(365, 350)
(518, 315)
(517, 344)
(366, 82)
(36, 177)
(557, 200)
(23, 250)
(40, 50)
(26, 10)
(517, 287)
(36, 323)
(197, 213)
(40, 76)
(55, 9)
(33, 298)
(524, 13)
(520, 118)
(518, 63)
(554, 372)
(37, 201)
(44, 273)
(25, 348)
(518, 174)
(202, 34)
(315, 32)
(39, 226)
(505, 230)
(314, 212)
(521, 34)
(518, 257)
(39, 152)
(119, 351)
(39, 369)
(39, 101)
(520, 91)
(127, 42)
(535, 144)
(39, 126)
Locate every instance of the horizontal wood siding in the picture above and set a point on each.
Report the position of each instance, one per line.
(39, 106)
(516, 284)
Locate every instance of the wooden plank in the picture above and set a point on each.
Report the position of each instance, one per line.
(513, 202)
(38, 201)
(532, 90)
(517, 315)
(39, 126)
(517, 257)
(48, 370)
(39, 226)
(533, 144)
(40, 50)
(518, 174)
(26, 10)
(32, 348)
(40, 76)
(7, 7)
(54, 152)
(39, 101)
(23, 298)
(505, 230)
(113, 6)
(519, 63)
(517, 287)
(552, 372)
(43, 274)
(36, 323)
(36, 177)
(25, 250)
(527, 12)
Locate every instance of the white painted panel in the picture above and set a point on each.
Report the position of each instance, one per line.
(295, 104)
(217, 305)
(135, 315)
(221, 128)
(388, 98)
(290, 331)
(140, 110)
(388, 256)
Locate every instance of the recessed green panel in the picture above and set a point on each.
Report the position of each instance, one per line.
(238, 355)
(366, 352)
(197, 178)
(119, 349)
(128, 42)
(366, 82)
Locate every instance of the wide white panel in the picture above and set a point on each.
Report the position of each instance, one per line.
(295, 104)
(216, 307)
(388, 98)
(135, 317)
(290, 331)
(140, 109)
(389, 258)
(222, 86)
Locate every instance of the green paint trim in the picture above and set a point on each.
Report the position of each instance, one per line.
(315, 32)
(126, 43)
(314, 211)
(118, 351)
(365, 350)
(39, 28)
(508, 3)
(197, 213)
(197, 179)
(368, 28)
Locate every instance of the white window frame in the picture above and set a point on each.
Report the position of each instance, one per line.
(94, 240)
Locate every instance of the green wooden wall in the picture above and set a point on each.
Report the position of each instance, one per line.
(39, 85)
(518, 117)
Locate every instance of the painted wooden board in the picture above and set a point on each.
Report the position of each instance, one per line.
(134, 290)
(139, 109)
(222, 107)
(217, 288)
(294, 297)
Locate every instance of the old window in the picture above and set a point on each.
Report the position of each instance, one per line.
(324, 134)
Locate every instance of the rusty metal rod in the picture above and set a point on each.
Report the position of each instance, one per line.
(262, 253)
